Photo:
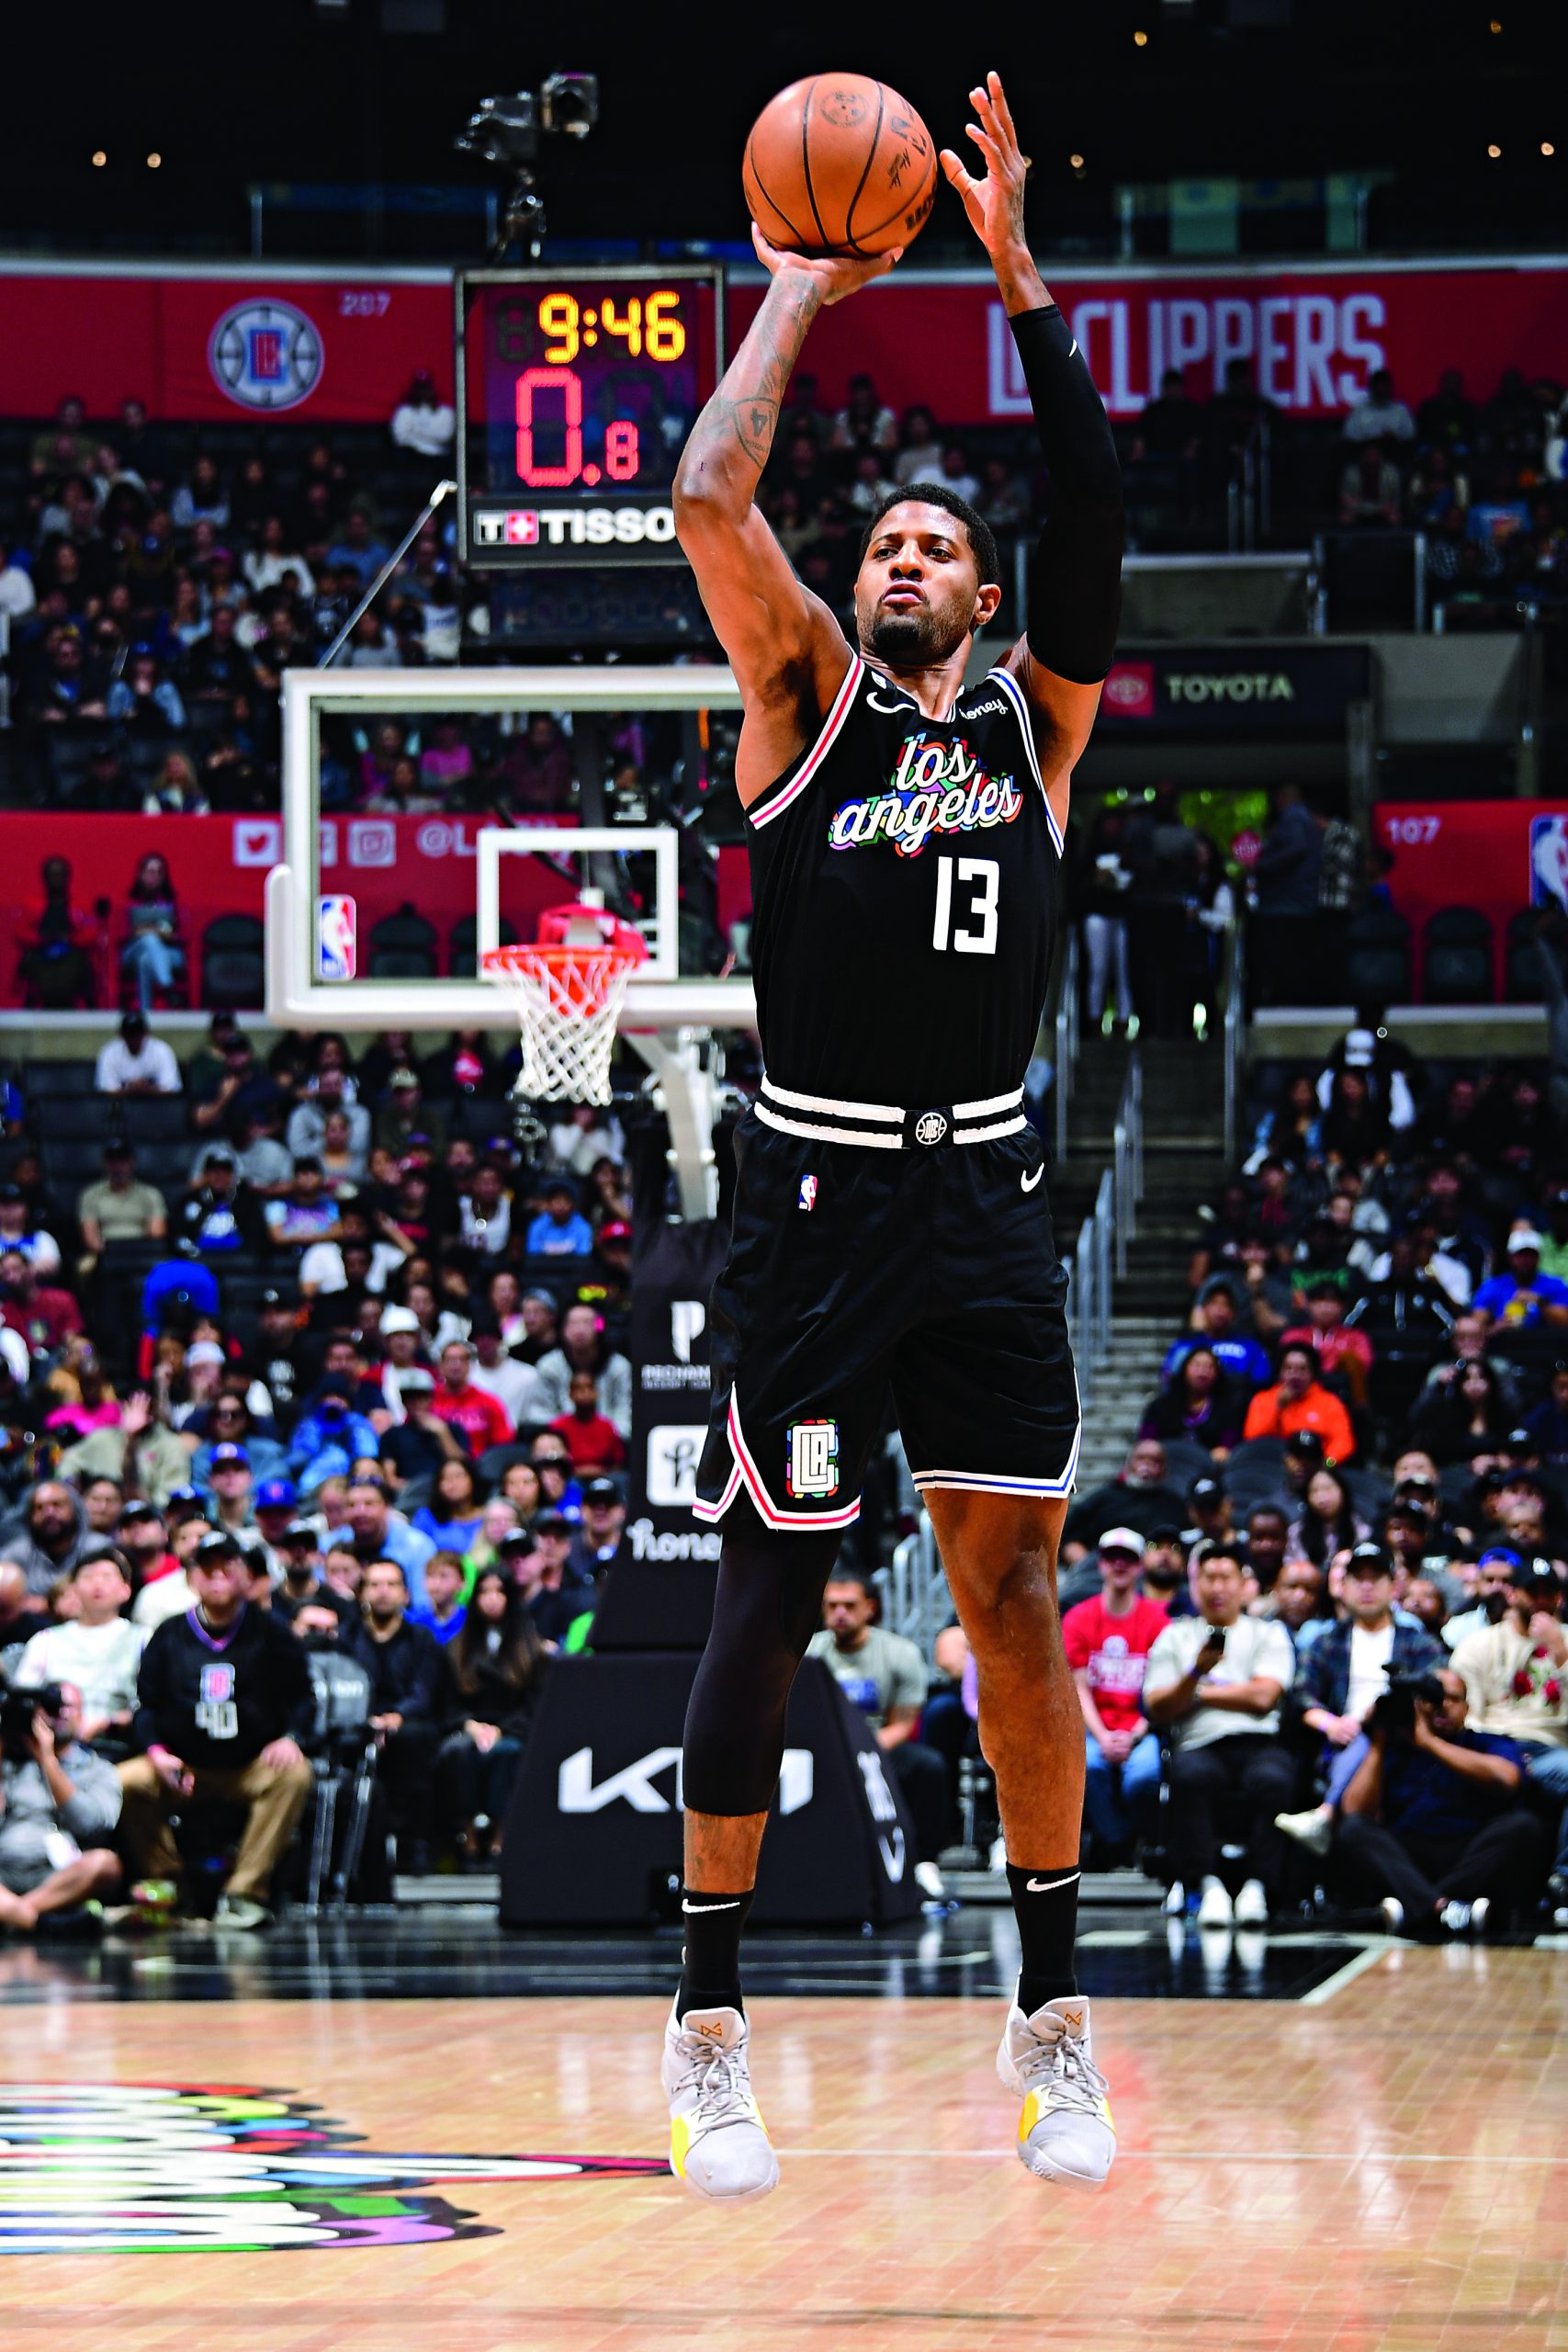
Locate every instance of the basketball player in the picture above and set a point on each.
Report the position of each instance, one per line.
(890, 1220)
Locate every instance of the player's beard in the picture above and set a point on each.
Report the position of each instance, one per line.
(915, 640)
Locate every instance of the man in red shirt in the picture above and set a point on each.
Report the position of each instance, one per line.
(45, 1316)
(592, 1441)
(483, 1418)
(1108, 1640)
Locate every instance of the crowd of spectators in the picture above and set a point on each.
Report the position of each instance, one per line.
(349, 1377)
(1354, 1466)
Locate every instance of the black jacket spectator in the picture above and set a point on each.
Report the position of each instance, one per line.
(270, 1690)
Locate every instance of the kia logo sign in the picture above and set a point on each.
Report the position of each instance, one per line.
(1129, 690)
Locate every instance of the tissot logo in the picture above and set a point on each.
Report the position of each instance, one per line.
(560, 526)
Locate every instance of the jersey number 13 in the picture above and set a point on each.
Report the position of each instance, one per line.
(976, 935)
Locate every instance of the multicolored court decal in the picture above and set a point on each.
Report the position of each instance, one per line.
(224, 2168)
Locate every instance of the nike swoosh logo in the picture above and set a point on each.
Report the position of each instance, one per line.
(1045, 1885)
(1027, 1184)
(898, 709)
(692, 1907)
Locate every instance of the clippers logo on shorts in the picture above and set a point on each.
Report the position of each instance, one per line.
(812, 1465)
(809, 1193)
(934, 788)
(216, 1712)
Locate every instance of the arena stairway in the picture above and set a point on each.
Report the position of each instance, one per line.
(1184, 1165)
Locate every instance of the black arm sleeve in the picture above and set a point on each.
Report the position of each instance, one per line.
(1075, 578)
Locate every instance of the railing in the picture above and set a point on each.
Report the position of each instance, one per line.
(1235, 1035)
(1101, 1254)
(916, 1600)
(1067, 1022)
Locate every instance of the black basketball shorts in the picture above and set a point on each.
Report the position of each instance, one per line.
(931, 1271)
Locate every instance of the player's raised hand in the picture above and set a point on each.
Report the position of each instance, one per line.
(834, 275)
(994, 203)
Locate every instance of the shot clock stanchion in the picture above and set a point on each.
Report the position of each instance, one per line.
(575, 393)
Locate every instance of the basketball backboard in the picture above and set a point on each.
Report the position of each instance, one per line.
(376, 918)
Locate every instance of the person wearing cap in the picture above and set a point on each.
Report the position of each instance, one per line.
(1299, 1401)
(1342, 1675)
(1384, 1065)
(601, 1538)
(1217, 1683)
(97, 1649)
(1522, 1294)
(539, 1331)
(539, 1560)
(219, 1215)
(136, 1062)
(276, 1505)
(1487, 1586)
(1434, 1825)
(1516, 1683)
(244, 1083)
(1108, 1640)
(117, 1206)
(225, 1705)
(406, 1114)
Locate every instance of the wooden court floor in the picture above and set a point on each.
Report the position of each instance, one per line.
(1387, 2167)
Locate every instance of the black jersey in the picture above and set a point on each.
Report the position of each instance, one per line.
(904, 881)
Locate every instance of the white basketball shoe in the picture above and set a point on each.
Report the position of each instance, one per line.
(1064, 2131)
(719, 2142)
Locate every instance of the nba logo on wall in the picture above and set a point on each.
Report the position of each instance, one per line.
(337, 939)
(813, 1464)
(265, 355)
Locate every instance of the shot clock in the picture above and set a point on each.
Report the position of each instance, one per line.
(575, 395)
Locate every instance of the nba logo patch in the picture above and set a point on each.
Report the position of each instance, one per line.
(337, 939)
(812, 1466)
(808, 1192)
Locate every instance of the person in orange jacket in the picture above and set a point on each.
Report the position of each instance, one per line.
(1299, 1401)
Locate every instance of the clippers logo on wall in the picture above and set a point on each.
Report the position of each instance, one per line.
(265, 355)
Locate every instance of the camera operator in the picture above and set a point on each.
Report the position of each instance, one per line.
(1515, 1679)
(53, 1794)
(1217, 1682)
(1343, 1677)
(1433, 1823)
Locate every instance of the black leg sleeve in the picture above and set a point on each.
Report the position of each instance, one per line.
(767, 1605)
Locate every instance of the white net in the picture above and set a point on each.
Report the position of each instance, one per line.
(567, 1001)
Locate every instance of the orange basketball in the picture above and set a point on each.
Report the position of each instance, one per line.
(840, 164)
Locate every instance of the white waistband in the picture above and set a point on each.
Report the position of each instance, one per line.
(886, 1127)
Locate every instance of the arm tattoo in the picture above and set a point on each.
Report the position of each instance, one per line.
(734, 436)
